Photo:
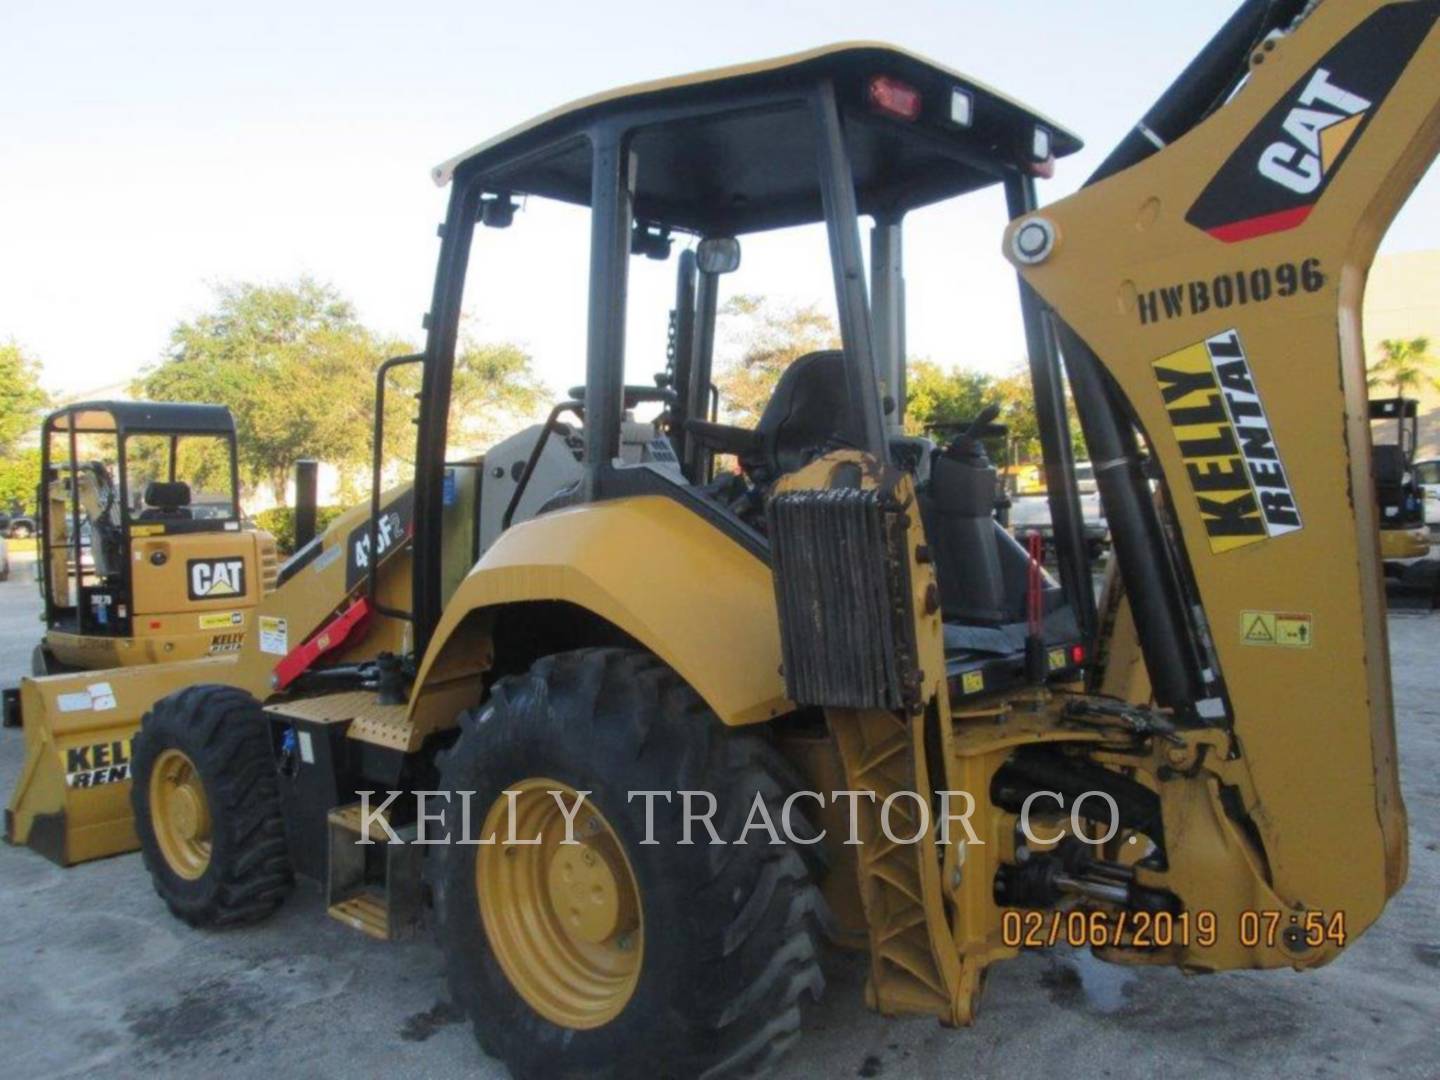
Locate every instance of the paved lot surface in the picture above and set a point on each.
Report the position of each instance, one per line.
(95, 977)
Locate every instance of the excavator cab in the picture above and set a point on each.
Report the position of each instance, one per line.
(853, 139)
(144, 554)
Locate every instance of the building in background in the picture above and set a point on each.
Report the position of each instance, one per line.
(1402, 300)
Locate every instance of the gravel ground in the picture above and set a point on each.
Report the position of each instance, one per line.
(98, 978)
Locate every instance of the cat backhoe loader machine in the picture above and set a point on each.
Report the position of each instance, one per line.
(563, 665)
(144, 556)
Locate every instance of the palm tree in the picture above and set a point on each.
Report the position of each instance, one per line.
(1404, 366)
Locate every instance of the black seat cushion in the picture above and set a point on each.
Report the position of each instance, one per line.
(1388, 464)
(807, 414)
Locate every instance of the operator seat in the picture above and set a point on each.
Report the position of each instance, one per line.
(806, 415)
(166, 501)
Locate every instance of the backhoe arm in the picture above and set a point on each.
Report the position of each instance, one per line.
(1211, 293)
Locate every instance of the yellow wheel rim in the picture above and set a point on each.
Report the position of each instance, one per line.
(564, 920)
(180, 814)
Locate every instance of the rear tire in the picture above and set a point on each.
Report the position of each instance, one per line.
(221, 731)
(728, 936)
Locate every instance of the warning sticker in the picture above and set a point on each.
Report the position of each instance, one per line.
(1055, 658)
(274, 635)
(972, 682)
(96, 697)
(1231, 458)
(222, 620)
(76, 702)
(1284, 628)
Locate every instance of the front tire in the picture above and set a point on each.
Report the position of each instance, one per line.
(711, 956)
(207, 809)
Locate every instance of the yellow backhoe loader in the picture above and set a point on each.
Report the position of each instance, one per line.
(557, 664)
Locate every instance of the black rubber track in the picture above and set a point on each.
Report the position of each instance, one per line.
(222, 730)
(731, 932)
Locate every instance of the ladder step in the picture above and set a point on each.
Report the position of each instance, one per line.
(378, 895)
(349, 819)
(366, 912)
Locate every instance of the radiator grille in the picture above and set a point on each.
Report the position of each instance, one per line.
(269, 566)
(842, 589)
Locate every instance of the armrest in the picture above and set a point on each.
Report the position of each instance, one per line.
(724, 438)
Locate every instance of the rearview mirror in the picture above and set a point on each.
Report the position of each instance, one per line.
(718, 255)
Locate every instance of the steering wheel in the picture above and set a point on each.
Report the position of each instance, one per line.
(635, 395)
(980, 427)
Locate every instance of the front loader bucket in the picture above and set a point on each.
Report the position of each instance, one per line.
(72, 802)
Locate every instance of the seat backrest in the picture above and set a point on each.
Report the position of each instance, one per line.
(166, 501)
(808, 411)
(1388, 464)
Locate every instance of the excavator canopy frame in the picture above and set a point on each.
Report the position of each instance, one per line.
(825, 135)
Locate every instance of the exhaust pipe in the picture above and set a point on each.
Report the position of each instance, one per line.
(307, 472)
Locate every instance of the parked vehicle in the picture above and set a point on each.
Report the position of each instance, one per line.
(1427, 477)
(142, 554)
(1030, 512)
(1399, 498)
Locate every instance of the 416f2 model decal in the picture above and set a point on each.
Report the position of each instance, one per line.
(1282, 168)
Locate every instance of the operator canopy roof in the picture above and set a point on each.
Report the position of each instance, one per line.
(748, 160)
(154, 417)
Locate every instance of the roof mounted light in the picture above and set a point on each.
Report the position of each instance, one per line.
(1042, 153)
(962, 107)
(1040, 148)
(894, 98)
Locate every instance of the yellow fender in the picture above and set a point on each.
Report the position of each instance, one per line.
(654, 569)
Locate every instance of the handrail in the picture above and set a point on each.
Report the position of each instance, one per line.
(573, 406)
(377, 460)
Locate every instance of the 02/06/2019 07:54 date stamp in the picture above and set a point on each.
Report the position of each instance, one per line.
(1080, 928)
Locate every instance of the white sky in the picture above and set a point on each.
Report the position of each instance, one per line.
(149, 148)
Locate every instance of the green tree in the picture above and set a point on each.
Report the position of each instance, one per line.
(1404, 366)
(765, 339)
(21, 398)
(297, 368)
(494, 390)
(20, 480)
(290, 361)
(937, 399)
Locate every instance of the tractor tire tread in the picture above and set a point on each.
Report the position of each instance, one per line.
(222, 730)
(756, 915)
